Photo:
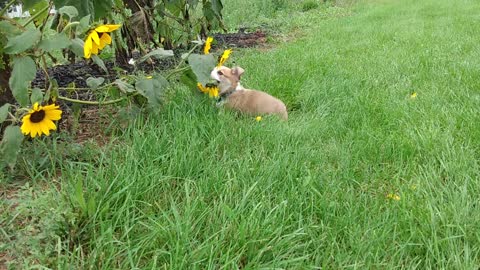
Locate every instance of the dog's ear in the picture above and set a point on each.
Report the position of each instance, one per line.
(237, 71)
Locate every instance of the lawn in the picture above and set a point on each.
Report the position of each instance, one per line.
(377, 167)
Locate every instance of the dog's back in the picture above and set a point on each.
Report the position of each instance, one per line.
(255, 102)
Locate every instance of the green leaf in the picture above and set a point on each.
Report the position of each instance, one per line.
(4, 112)
(91, 206)
(28, 4)
(8, 29)
(123, 86)
(70, 11)
(94, 83)
(56, 42)
(152, 89)
(202, 66)
(24, 70)
(23, 41)
(76, 46)
(158, 54)
(79, 196)
(189, 79)
(84, 25)
(37, 95)
(10, 146)
(217, 7)
(84, 7)
(99, 63)
(39, 11)
(102, 8)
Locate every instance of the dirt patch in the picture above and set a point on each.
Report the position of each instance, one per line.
(241, 39)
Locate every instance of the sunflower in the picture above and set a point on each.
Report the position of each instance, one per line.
(208, 45)
(39, 120)
(212, 91)
(224, 57)
(202, 88)
(95, 42)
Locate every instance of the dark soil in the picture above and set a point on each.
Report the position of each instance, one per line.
(241, 39)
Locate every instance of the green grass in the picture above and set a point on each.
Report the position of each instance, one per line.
(193, 188)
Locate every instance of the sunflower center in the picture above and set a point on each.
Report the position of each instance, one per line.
(37, 117)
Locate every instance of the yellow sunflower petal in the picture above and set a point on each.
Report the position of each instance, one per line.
(44, 127)
(53, 114)
(26, 126)
(208, 45)
(107, 28)
(94, 49)
(105, 40)
(202, 88)
(35, 130)
(87, 48)
(94, 36)
(224, 58)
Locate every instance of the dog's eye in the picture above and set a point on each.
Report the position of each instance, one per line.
(219, 73)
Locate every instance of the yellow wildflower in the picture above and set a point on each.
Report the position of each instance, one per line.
(413, 95)
(258, 118)
(39, 120)
(393, 196)
(225, 56)
(94, 43)
(208, 45)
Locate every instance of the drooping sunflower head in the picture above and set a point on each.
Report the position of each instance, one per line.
(208, 45)
(95, 42)
(39, 120)
(224, 58)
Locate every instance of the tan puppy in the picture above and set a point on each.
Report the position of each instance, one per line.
(252, 102)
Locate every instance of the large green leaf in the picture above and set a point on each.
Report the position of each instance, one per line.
(217, 7)
(94, 83)
(10, 146)
(84, 7)
(9, 30)
(152, 89)
(76, 46)
(84, 25)
(102, 8)
(123, 86)
(202, 66)
(39, 11)
(28, 4)
(56, 42)
(99, 63)
(4, 112)
(37, 96)
(24, 70)
(23, 42)
(158, 54)
(70, 11)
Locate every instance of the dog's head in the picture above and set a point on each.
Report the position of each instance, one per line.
(227, 78)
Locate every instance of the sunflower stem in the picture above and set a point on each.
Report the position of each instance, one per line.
(86, 102)
(69, 25)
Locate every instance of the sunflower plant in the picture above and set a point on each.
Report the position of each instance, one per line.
(201, 65)
(24, 50)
